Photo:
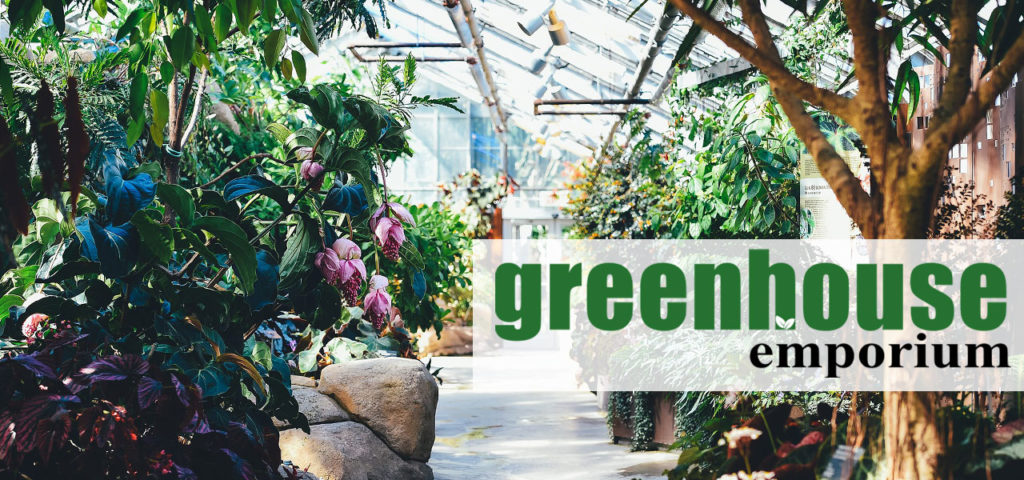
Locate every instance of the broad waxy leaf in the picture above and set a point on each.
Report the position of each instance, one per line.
(156, 237)
(233, 238)
(116, 248)
(298, 62)
(347, 199)
(179, 200)
(205, 26)
(265, 288)
(273, 44)
(301, 248)
(255, 184)
(307, 30)
(222, 22)
(125, 197)
(180, 46)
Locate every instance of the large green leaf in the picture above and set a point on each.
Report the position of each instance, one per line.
(298, 61)
(180, 47)
(327, 106)
(205, 26)
(411, 255)
(234, 240)
(179, 200)
(222, 22)
(213, 380)
(252, 185)
(307, 30)
(156, 237)
(273, 44)
(262, 355)
(6, 302)
(245, 11)
(302, 245)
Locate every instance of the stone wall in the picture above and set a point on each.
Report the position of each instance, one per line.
(369, 420)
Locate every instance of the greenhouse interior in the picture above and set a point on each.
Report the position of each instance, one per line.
(405, 239)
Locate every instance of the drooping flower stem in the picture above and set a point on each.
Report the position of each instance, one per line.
(383, 178)
(351, 231)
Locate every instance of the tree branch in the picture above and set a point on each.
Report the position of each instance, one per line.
(197, 106)
(869, 68)
(772, 67)
(833, 167)
(939, 139)
(963, 30)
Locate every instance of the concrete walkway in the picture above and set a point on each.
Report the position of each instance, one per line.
(528, 436)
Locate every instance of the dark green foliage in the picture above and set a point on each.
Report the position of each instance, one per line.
(692, 411)
(636, 411)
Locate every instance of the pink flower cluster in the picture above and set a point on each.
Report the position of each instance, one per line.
(377, 304)
(388, 232)
(342, 266)
(35, 326)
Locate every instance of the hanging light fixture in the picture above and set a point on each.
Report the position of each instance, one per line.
(539, 60)
(558, 31)
(532, 20)
(558, 93)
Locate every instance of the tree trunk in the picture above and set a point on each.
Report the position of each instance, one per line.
(913, 444)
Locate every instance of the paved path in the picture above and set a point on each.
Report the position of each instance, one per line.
(528, 436)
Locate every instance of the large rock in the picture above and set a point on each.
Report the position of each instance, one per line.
(395, 397)
(317, 407)
(348, 451)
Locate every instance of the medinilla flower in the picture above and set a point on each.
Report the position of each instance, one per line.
(388, 232)
(342, 266)
(34, 326)
(329, 263)
(352, 272)
(312, 172)
(377, 304)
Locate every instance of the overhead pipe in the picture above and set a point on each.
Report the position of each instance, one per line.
(596, 101)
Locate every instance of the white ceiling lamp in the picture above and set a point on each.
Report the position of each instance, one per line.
(545, 84)
(539, 60)
(558, 93)
(532, 20)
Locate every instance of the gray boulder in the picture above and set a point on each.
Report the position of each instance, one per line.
(317, 407)
(395, 397)
(348, 451)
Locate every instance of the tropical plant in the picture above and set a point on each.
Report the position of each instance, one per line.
(477, 199)
(130, 314)
(741, 182)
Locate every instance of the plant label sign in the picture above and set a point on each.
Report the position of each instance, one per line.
(840, 466)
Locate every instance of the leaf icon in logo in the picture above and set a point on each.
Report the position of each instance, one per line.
(783, 324)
